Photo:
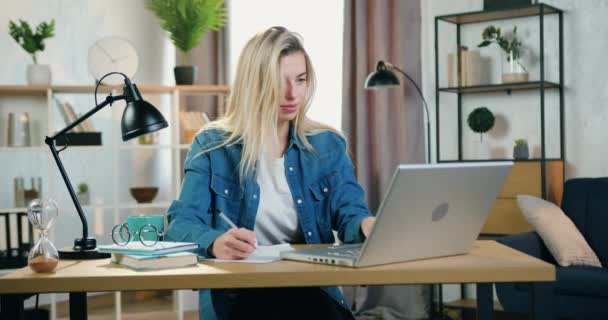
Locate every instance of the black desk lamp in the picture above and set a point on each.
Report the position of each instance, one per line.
(138, 118)
(383, 77)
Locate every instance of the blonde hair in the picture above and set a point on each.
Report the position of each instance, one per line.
(253, 104)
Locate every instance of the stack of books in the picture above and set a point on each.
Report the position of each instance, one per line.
(470, 71)
(163, 255)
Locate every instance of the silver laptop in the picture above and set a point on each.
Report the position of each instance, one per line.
(429, 211)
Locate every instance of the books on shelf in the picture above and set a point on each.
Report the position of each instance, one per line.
(69, 115)
(160, 248)
(469, 73)
(166, 261)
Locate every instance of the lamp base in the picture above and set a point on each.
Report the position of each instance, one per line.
(83, 249)
(69, 253)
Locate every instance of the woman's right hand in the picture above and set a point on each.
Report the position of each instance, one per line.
(234, 244)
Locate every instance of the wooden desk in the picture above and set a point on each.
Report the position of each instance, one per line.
(487, 263)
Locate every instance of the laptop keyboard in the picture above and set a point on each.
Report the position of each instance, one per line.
(346, 253)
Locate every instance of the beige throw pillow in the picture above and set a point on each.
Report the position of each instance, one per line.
(560, 235)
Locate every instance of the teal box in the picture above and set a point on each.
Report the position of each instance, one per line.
(136, 222)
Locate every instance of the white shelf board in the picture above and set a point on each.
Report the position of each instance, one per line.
(23, 149)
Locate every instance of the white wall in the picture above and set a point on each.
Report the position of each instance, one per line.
(78, 24)
(319, 22)
(518, 114)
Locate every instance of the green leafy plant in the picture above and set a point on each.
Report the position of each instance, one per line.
(187, 20)
(481, 120)
(31, 42)
(83, 187)
(521, 142)
(510, 44)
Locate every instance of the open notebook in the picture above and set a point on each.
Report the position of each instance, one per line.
(263, 254)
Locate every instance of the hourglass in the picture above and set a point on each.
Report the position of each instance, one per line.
(43, 256)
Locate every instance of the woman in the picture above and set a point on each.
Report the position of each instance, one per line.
(279, 176)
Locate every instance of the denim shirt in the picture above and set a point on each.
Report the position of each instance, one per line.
(325, 192)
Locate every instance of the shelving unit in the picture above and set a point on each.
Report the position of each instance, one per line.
(41, 101)
(541, 176)
(109, 169)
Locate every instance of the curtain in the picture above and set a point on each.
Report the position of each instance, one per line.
(384, 127)
(211, 59)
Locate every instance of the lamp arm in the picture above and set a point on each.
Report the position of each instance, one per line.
(79, 244)
(426, 109)
(109, 100)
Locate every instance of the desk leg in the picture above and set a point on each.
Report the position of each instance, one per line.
(11, 306)
(78, 305)
(542, 292)
(485, 301)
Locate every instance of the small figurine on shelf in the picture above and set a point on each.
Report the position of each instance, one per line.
(520, 150)
(481, 120)
(513, 70)
(83, 194)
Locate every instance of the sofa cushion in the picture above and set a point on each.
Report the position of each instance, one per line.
(558, 232)
(581, 281)
(585, 202)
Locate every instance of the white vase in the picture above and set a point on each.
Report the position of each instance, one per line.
(38, 74)
(482, 150)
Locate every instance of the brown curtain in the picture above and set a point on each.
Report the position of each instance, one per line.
(211, 59)
(384, 127)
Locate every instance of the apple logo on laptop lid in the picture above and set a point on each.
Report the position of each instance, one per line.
(440, 212)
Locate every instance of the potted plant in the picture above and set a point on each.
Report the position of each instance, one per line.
(83, 194)
(520, 150)
(513, 69)
(187, 21)
(481, 120)
(32, 42)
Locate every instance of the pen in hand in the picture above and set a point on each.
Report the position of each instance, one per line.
(232, 225)
(227, 220)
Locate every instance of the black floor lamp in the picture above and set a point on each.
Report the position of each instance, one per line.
(384, 77)
(139, 118)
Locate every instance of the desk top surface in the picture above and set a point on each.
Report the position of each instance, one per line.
(488, 261)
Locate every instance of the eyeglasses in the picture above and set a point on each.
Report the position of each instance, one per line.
(148, 234)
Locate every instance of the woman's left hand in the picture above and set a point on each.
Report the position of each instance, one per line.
(367, 224)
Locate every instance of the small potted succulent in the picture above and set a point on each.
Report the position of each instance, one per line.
(520, 150)
(83, 194)
(512, 68)
(187, 21)
(32, 42)
(481, 120)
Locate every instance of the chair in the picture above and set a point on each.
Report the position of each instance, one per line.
(578, 292)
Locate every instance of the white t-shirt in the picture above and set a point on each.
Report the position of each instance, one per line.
(276, 221)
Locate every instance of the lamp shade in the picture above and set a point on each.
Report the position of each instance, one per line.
(140, 117)
(381, 78)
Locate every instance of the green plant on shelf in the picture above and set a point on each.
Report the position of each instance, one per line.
(481, 120)
(31, 42)
(188, 20)
(521, 142)
(83, 187)
(510, 44)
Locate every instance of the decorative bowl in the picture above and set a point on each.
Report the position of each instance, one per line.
(144, 194)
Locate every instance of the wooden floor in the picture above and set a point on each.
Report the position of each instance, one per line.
(148, 305)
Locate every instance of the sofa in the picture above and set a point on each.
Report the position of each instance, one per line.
(578, 292)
